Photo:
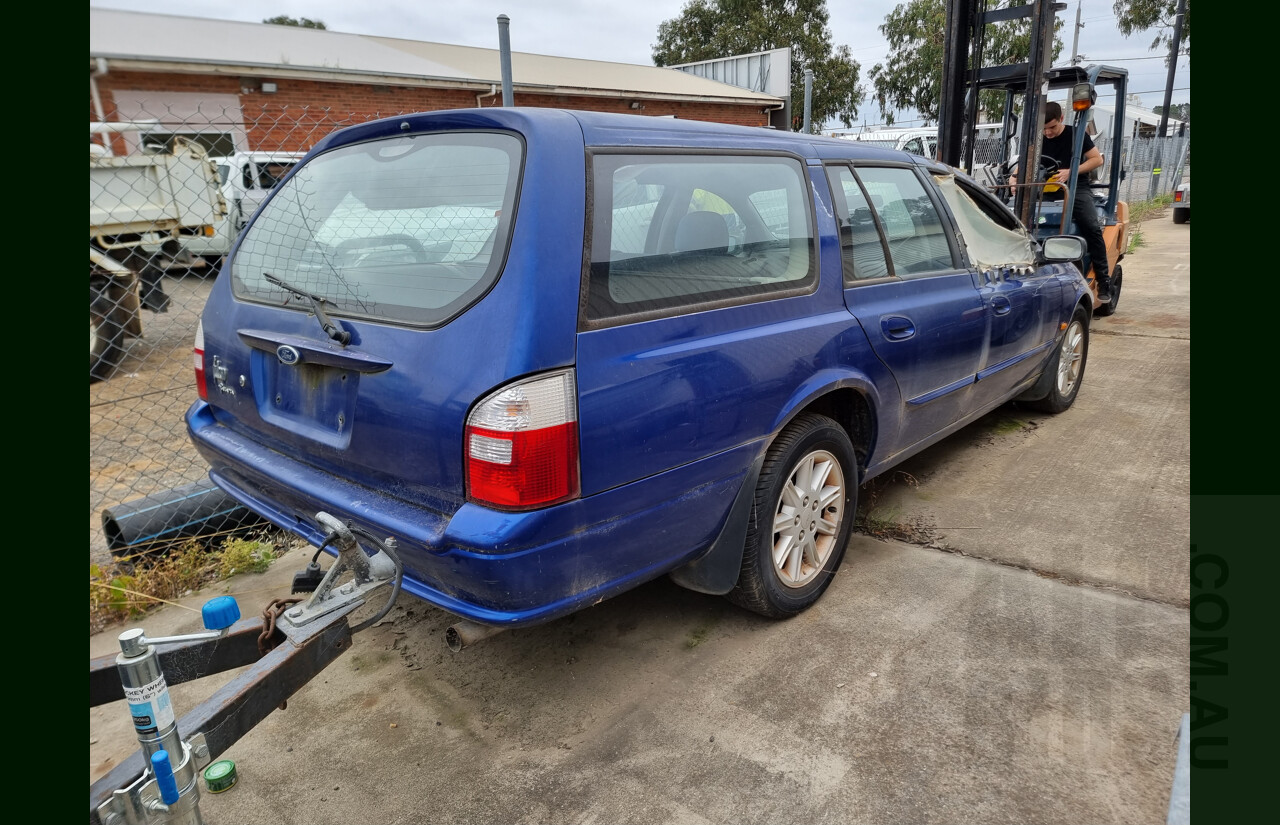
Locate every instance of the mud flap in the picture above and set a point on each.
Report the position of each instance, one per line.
(716, 571)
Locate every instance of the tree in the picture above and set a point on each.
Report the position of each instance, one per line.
(1142, 15)
(1180, 111)
(304, 22)
(710, 29)
(912, 77)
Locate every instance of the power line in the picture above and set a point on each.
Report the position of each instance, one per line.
(1152, 57)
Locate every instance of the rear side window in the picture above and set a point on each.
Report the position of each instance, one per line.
(675, 231)
(410, 229)
(916, 236)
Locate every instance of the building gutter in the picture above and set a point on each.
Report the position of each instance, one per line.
(481, 87)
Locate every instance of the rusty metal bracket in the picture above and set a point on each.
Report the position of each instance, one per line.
(1041, 185)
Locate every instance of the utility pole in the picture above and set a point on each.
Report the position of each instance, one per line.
(504, 54)
(1174, 48)
(1075, 38)
(808, 98)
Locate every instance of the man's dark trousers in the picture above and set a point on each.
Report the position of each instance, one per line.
(1088, 227)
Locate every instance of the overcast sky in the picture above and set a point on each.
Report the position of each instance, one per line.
(624, 31)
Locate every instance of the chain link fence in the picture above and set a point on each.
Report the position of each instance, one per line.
(150, 275)
(156, 182)
(1152, 166)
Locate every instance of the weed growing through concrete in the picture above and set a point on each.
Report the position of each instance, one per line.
(244, 556)
(1141, 211)
(697, 637)
(129, 586)
(886, 523)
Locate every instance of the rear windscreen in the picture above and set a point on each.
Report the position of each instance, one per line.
(410, 229)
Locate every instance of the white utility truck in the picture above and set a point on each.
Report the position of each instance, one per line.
(139, 200)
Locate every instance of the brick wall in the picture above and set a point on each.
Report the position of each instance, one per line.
(301, 111)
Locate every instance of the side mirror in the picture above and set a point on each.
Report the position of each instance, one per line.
(1063, 248)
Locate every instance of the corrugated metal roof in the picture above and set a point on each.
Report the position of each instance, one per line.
(137, 37)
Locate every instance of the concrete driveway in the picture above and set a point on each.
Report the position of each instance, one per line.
(1019, 653)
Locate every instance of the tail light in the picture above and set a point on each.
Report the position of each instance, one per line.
(522, 444)
(197, 353)
(1177, 196)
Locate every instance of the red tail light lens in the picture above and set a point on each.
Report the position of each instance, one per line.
(1177, 197)
(197, 352)
(522, 444)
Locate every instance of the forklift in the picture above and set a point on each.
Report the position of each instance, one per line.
(1027, 87)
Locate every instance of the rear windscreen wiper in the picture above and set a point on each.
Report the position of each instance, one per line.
(317, 303)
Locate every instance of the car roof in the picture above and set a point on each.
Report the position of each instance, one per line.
(892, 134)
(609, 130)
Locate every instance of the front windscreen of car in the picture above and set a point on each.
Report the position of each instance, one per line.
(409, 229)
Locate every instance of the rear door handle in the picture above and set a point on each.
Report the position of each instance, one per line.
(1001, 305)
(897, 327)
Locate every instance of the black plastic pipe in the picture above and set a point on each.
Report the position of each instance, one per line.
(150, 523)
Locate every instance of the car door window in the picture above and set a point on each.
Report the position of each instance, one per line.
(914, 229)
(992, 235)
(862, 249)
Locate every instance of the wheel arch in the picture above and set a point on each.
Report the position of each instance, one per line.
(850, 401)
(848, 398)
(1042, 386)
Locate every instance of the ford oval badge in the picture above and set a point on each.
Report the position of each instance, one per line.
(288, 355)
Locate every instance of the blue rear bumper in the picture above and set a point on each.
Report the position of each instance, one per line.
(486, 565)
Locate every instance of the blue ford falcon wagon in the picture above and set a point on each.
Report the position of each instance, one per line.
(557, 354)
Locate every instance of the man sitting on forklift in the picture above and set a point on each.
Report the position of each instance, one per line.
(1058, 143)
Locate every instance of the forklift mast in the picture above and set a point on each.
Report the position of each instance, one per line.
(964, 76)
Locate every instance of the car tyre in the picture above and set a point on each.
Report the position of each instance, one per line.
(1067, 366)
(1109, 308)
(801, 519)
(106, 337)
(1181, 215)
